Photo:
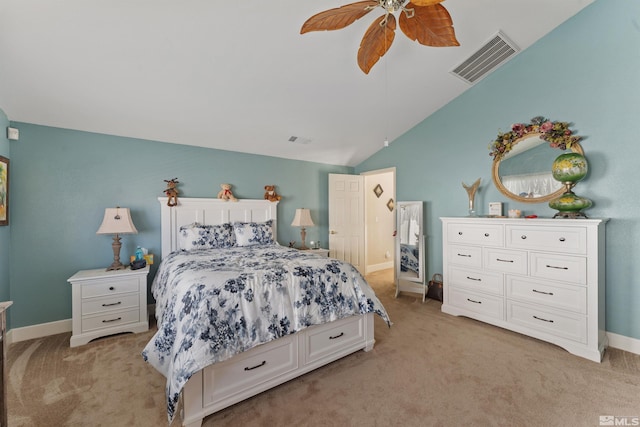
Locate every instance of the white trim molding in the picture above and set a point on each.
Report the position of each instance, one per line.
(632, 345)
(38, 331)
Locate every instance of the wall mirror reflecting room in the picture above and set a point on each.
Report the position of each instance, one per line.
(524, 173)
(409, 259)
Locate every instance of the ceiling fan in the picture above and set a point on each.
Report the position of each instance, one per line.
(425, 21)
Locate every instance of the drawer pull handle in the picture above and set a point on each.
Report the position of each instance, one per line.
(112, 320)
(459, 233)
(486, 234)
(465, 255)
(246, 368)
(504, 260)
(544, 320)
(111, 288)
(559, 268)
(523, 237)
(473, 301)
(337, 336)
(542, 292)
(473, 278)
(562, 239)
(112, 304)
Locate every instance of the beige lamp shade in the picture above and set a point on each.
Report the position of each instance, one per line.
(303, 219)
(116, 221)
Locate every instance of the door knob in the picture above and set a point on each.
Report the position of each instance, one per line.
(332, 232)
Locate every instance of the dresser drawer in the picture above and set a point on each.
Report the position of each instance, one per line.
(470, 256)
(110, 287)
(571, 240)
(570, 269)
(484, 234)
(543, 292)
(110, 303)
(249, 369)
(558, 323)
(485, 305)
(505, 261)
(322, 341)
(110, 319)
(478, 280)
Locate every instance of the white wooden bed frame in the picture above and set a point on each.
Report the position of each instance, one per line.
(266, 366)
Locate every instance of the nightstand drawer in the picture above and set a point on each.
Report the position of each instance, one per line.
(111, 287)
(110, 303)
(110, 319)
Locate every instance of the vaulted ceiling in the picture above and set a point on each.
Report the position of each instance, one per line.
(238, 75)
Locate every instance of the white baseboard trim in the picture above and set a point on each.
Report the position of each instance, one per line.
(632, 345)
(377, 267)
(621, 342)
(38, 331)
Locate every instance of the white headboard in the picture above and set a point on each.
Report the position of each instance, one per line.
(211, 212)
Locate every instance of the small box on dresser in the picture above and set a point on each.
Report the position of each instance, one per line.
(544, 278)
(107, 303)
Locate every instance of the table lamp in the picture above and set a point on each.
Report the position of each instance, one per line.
(116, 221)
(303, 219)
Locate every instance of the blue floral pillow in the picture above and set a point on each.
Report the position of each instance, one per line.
(254, 233)
(198, 236)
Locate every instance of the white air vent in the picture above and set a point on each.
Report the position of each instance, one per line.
(489, 57)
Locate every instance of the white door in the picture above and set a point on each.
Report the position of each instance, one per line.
(346, 219)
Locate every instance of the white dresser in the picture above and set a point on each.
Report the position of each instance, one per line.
(108, 302)
(540, 277)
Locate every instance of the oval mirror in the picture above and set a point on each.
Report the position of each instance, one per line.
(524, 173)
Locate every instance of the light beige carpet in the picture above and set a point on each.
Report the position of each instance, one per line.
(429, 369)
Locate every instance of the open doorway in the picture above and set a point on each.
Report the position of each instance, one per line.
(379, 213)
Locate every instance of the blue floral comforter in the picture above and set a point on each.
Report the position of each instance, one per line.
(214, 303)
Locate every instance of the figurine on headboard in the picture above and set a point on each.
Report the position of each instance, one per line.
(171, 191)
(226, 194)
(270, 193)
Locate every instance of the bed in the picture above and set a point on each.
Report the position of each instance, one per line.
(230, 328)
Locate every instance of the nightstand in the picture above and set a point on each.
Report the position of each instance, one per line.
(320, 251)
(107, 303)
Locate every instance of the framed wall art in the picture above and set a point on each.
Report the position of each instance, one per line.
(4, 191)
(378, 190)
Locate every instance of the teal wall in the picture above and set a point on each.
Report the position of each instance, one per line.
(5, 230)
(587, 72)
(62, 180)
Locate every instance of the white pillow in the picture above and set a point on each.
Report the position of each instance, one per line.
(253, 233)
(198, 236)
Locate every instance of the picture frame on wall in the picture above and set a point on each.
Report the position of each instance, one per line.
(4, 191)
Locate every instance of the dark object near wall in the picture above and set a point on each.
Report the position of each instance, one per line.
(434, 289)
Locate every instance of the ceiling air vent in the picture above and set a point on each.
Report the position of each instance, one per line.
(489, 57)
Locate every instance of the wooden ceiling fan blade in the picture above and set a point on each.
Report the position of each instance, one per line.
(429, 25)
(338, 18)
(426, 2)
(376, 42)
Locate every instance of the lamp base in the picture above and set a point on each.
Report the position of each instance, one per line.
(116, 264)
(303, 236)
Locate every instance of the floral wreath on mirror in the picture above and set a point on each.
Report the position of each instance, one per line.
(557, 134)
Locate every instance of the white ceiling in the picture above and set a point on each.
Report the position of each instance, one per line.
(237, 75)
